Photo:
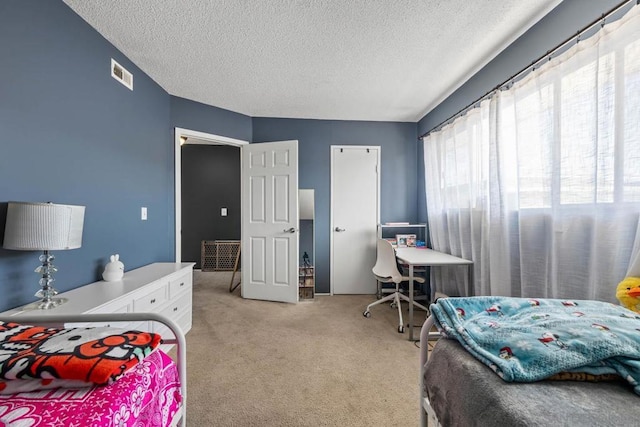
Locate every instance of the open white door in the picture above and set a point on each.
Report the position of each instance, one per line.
(270, 221)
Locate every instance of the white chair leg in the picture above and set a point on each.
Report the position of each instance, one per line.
(401, 325)
(380, 301)
(406, 298)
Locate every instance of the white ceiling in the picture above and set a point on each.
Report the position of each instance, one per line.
(379, 60)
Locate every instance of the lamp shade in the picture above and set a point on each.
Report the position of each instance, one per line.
(43, 226)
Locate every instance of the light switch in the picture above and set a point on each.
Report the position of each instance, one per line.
(223, 212)
(143, 213)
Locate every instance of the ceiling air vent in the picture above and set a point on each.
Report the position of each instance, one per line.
(119, 73)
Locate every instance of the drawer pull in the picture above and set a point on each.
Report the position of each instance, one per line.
(175, 309)
(181, 284)
(153, 301)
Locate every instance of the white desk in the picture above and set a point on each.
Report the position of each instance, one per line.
(429, 258)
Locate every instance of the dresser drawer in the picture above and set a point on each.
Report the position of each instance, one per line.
(136, 326)
(183, 321)
(176, 307)
(180, 284)
(112, 307)
(150, 301)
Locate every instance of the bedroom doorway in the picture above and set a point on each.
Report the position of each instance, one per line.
(269, 185)
(182, 137)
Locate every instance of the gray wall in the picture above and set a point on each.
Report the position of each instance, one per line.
(315, 137)
(70, 133)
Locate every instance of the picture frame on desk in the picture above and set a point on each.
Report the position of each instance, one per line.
(392, 241)
(406, 240)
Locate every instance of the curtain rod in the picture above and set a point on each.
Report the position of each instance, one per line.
(548, 54)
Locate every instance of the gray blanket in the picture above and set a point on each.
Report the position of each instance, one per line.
(464, 392)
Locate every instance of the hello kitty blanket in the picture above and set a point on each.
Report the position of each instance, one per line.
(98, 377)
(526, 340)
(147, 395)
(97, 355)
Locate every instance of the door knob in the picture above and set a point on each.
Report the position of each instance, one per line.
(339, 230)
(290, 230)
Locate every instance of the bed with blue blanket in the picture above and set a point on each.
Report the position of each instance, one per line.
(530, 362)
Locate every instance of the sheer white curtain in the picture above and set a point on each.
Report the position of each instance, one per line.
(540, 184)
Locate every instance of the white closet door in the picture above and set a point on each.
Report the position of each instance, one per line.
(355, 207)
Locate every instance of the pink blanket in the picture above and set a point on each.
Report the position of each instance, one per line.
(147, 395)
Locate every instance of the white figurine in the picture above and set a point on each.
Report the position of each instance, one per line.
(114, 270)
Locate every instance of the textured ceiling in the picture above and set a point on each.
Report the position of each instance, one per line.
(380, 60)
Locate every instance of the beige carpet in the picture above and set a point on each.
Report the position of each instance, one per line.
(320, 363)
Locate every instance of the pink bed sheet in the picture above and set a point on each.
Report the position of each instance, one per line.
(147, 395)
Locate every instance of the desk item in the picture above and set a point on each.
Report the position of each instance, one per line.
(406, 240)
(386, 271)
(414, 257)
(390, 230)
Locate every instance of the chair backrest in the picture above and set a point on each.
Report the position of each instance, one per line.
(386, 268)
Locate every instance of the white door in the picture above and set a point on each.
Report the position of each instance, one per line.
(270, 221)
(355, 206)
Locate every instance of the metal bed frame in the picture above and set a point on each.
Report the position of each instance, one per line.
(427, 414)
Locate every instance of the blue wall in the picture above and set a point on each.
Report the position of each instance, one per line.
(194, 115)
(111, 149)
(70, 133)
(398, 172)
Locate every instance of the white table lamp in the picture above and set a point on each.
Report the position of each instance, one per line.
(44, 227)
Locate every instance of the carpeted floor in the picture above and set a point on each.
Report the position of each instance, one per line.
(320, 363)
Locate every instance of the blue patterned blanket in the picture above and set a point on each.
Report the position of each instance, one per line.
(526, 340)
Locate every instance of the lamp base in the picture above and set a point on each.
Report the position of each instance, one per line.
(47, 292)
(45, 304)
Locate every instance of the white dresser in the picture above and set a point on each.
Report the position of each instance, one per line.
(163, 288)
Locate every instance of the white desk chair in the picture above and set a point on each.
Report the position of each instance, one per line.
(386, 271)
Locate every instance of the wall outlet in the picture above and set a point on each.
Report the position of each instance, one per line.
(223, 212)
(143, 213)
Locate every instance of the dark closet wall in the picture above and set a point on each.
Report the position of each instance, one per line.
(210, 182)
